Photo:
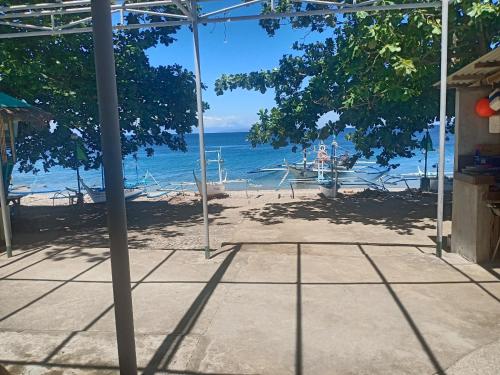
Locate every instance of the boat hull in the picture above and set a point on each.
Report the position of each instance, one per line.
(214, 189)
(328, 191)
(313, 173)
(99, 196)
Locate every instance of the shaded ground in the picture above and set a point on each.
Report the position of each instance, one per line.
(175, 223)
(152, 224)
(402, 212)
(314, 289)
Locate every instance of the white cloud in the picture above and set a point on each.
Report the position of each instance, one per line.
(226, 123)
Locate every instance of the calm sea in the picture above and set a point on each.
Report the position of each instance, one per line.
(239, 158)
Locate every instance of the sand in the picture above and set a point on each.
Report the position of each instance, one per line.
(176, 221)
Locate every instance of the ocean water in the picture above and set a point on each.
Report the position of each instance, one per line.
(239, 158)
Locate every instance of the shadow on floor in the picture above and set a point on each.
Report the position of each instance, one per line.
(86, 226)
(160, 360)
(395, 211)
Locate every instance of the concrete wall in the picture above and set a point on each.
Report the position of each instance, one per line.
(472, 222)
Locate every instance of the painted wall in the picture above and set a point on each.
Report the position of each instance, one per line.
(474, 227)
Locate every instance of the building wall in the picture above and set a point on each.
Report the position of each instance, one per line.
(471, 129)
(473, 233)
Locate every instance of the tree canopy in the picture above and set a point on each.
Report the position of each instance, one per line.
(157, 105)
(376, 70)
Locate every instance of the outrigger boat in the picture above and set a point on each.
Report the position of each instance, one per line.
(218, 187)
(98, 195)
(325, 168)
(214, 188)
(323, 164)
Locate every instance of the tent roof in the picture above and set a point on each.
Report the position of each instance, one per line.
(20, 110)
(7, 101)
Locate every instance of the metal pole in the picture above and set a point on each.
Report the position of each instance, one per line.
(115, 201)
(201, 130)
(304, 160)
(74, 137)
(78, 179)
(5, 215)
(427, 136)
(335, 186)
(442, 125)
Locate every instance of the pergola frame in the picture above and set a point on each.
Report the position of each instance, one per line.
(31, 20)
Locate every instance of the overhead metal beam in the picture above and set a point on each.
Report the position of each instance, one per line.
(182, 8)
(79, 3)
(322, 12)
(152, 13)
(322, 2)
(24, 25)
(113, 174)
(227, 9)
(52, 10)
(208, 20)
(83, 30)
(12, 8)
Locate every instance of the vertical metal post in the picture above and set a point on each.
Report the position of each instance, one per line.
(201, 129)
(74, 138)
(442, 124)
(78, 179)
(5, 215)
(335, 159)
(304, 160)
(115, 201)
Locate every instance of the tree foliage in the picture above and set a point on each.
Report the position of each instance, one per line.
(157, 105)
(376, 70)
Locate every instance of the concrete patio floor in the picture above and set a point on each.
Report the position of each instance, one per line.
(255, 308)
(294, 295)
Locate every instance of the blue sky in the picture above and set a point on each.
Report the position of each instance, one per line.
(234, 47)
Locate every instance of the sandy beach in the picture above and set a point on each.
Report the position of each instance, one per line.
(175, 221)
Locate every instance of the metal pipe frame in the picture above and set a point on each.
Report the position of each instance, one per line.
(367, 6)
(61, 10)
(182, 8)
(77, 3)
(152, 13)
(113, 173)
(232, 7)
(102, 28)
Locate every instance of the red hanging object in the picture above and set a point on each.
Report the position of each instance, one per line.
(483, 108)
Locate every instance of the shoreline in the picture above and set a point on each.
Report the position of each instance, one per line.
(47, 199)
